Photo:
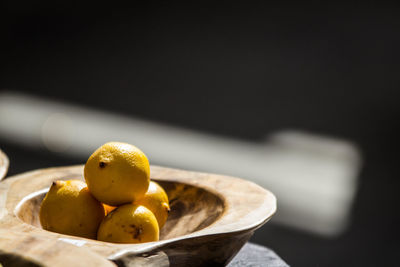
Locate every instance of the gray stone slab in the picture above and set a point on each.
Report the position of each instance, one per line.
(255, 255)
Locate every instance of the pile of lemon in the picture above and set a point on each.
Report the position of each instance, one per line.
(118, 203)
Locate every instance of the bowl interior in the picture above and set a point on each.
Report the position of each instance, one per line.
(192, 209)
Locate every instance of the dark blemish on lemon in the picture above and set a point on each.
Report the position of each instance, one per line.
(137, 231)
(102, 164)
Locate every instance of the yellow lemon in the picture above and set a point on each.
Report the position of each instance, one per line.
(156, 200)
(117, 173)
(129, 223)
(69, 208)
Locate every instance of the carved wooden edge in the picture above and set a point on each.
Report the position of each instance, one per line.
(20, 249)
(247, 207)
(215, 250)
(4, 163)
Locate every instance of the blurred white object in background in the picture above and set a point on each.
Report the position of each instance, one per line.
(313, 177)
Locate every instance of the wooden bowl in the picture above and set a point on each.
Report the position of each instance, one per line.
(212, 216)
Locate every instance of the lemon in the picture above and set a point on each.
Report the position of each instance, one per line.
(129, 223)
(69, 208)
(117, 173)
(156, 200)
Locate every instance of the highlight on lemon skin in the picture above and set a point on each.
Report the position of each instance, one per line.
(129, 223)
(156, 200)
(117, 173)
(69, 208)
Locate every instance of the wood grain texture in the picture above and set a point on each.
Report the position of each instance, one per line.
(22, 249)
(212, 216)
(4, 162)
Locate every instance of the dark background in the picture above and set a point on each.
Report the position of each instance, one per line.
(243, 71)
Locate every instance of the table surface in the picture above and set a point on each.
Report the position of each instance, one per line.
(256, 255)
